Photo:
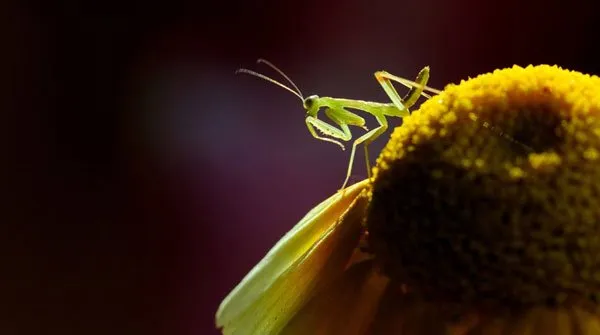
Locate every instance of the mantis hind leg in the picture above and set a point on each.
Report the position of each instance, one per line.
(402, 104)
(366, 146)
(367, 139)
(416, 89)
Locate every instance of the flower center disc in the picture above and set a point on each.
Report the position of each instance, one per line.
(491, 191)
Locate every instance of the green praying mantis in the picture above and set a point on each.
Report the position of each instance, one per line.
(336, 109)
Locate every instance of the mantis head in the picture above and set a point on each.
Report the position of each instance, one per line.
(311, 105)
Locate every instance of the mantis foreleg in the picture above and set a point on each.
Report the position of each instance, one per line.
(329, 130)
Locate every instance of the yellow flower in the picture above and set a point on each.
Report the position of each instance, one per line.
(483, 217)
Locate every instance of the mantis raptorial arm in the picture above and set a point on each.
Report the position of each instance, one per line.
(329, 130)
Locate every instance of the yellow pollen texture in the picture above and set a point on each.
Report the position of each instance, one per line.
(490, 192)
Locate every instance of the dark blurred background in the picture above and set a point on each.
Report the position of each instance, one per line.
(142, 179)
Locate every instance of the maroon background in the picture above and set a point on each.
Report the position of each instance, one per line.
(142, 179)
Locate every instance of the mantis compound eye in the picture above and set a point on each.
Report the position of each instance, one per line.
(310, 102)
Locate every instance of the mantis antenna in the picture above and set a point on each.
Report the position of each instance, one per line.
(297, 92)
(260, 60)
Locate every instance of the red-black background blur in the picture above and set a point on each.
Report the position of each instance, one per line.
(142, 179)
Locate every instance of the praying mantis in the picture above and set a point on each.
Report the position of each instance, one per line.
(336, 109)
